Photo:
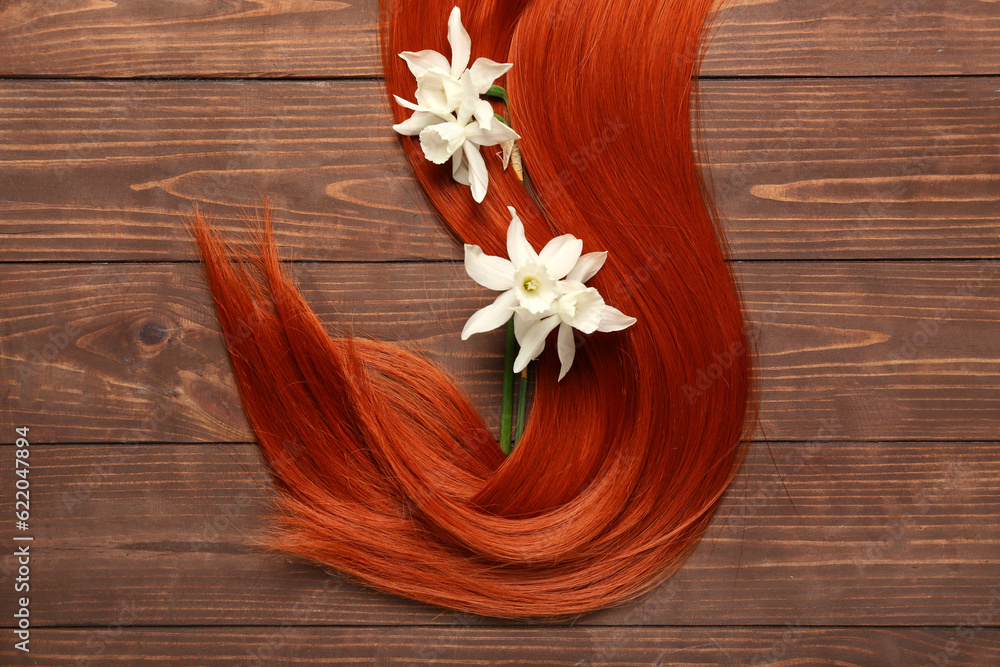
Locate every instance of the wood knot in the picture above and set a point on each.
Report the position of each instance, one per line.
(153, 333)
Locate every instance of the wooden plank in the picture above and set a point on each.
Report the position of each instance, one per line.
(855, 38)
(202, 38)
(829, 533)
(847, 169)
(803, 169)
(570, 647)
(853, 350)
(111, 170)
(212, 38)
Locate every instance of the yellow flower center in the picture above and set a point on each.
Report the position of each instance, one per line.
(530, 284)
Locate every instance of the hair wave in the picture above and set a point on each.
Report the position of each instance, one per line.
(383, 468)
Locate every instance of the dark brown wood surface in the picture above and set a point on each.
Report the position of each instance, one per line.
(330, 38)
(853, 350)
(808, 538)
(855, 151)
(558, 647)
(109, 170)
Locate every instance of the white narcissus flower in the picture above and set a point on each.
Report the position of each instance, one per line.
(459, 138)
(541, 291)
(438, 88)
(448, 95)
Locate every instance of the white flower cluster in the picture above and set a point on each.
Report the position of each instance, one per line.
(450, 117)
(541, 291)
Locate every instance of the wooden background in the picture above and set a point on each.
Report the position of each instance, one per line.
(855, 146)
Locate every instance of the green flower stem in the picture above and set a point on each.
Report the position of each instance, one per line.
(507, 406)
(522, 404)
(507, 403)
(497, 91)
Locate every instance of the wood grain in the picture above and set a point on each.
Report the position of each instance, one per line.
(226, 38)
(846, 169)
(97, 170)
(202, 38)
(864, 528)
(555, 647)
(855, 38)
(802, 169)
(133, 353)
(838, 533)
